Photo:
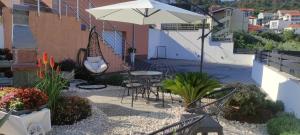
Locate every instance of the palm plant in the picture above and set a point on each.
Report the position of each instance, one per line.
(191, 86)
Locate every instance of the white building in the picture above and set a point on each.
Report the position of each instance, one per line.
(294, 18)
(279, 25)
(281, 13)
(264, 18)
(252, 20)
(232, 18)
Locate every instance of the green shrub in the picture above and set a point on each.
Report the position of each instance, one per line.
(191, 86)
(250, 105)
(113, 79)
(67, 65)
(284, 124)
(70, 110)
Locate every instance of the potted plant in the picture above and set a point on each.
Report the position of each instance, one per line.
(191, 86)
(132, 52)
(67, 67)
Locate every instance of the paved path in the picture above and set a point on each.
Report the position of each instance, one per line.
(224, 73)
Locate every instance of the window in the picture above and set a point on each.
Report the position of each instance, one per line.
(21, 17)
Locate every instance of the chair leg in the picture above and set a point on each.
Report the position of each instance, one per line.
(163, 98)
(171, 98)
(123, 95)
(132, 98)
(128, 92)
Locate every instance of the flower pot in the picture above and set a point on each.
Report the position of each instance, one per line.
(37, 122)
(132, 57)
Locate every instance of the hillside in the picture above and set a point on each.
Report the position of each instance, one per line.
(266, 5)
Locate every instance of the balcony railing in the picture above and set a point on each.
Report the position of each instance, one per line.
(283, 61)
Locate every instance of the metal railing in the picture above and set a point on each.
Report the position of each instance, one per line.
(283, 62)
(181, 27)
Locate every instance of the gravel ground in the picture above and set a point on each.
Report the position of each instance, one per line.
(109, 116)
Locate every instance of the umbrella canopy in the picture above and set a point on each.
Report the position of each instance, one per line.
(145, 12)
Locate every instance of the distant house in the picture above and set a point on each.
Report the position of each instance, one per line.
(281, 13)
(252, 20)
(294, 27)
(233, 20)
(264, 18)
(279, 25)
(294, 18)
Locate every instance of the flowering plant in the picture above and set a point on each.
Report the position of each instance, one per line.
(50, 79)
(22, 99)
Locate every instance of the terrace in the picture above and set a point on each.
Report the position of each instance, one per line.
(106, 90)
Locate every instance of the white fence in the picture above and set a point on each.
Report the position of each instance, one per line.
(278, 86)
(186, 45)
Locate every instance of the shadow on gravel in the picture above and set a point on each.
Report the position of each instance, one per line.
(117, 110)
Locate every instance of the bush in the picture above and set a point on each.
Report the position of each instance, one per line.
(113, 79)
(284, 124)
(70, 110)
(250, 105)
(67, 65)
(191, 86)
(22, 99)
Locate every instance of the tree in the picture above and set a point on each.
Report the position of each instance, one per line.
(289, 35)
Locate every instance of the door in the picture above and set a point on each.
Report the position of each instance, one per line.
(161, 52)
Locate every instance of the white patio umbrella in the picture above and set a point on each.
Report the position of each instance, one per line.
(145, 12)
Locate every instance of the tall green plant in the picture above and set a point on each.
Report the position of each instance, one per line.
(191, 86)
(51, 81)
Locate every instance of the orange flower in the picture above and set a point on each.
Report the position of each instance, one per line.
(39, 63)
(45, 58)
(52, 63)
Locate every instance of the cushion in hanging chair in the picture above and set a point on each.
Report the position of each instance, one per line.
(95, 64)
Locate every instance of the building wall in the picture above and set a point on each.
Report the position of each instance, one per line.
(62, 38)
(141, 32)
(238, 21)
(185, 45)
(278, 86)
(1, 30)
(7, 24)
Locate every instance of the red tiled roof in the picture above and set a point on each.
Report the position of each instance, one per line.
(294, 14)
(294, 25)
(289, 11)
(253, 28)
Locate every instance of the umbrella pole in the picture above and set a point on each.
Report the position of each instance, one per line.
(133, 45)
(202, 45)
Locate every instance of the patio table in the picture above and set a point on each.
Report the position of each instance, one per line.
(146, 76)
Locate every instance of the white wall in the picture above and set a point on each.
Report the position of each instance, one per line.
(1, 36)
(278, 85)
(185, 45)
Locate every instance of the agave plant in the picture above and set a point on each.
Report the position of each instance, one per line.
(191, 86)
